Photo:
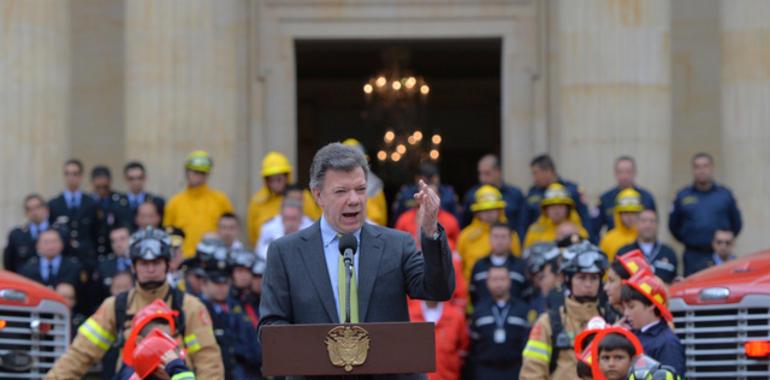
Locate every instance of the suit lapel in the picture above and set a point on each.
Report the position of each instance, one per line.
(315, 266)
(371, 249)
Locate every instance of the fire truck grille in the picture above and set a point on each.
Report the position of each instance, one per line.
(714, 336)
(40, 334)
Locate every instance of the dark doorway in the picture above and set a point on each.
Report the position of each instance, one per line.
(463, 104)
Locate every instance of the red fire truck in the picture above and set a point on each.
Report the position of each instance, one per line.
(722, 317)
(34, 327)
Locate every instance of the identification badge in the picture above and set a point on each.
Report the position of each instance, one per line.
(499, 335)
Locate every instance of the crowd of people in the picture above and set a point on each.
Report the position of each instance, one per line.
(547, 284)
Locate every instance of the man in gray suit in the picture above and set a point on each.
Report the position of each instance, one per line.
(301, 281)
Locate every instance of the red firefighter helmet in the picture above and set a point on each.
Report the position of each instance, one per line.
(651, 287)
(634, 262)
(156, 310)
(147, 355)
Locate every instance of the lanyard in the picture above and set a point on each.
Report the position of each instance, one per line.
(500, 316)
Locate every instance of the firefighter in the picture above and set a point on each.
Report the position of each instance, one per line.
(266, 202)
(558, 208)
(622, 268)
(235, 334)
(197, 208)
(150, 255)
(644, 309)
(549, 352)
(243, 263)
(660, 255)
(544, 277)
(376, 206)
(628, 205)
(473, 243)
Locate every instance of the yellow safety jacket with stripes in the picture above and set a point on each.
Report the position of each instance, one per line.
(97, 334)
(537, 353)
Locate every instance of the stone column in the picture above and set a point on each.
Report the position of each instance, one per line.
(745, 29)
(614, 93)
(187, 88)
(34, 106)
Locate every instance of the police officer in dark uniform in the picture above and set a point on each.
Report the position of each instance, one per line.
(136, 177)
(500, 241)
(625, 174)
(112, 208)
(499, 330)
(429, 173)
(699, 210)
(515, 206)
(233, 330)
(543, 175)
(78, 212)
(116, 262)
(50, 267)
(22, 239)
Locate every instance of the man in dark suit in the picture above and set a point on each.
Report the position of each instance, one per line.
(112, 208)
(50, 267)
(116, 262)
(301, 280)
(136, 177)
(77, 211)
(22, 239)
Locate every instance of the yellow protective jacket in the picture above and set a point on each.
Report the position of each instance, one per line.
(537, 352)
(264, 205)
(196, 211)
(473, 244)
(617, 238)
(544, 229)
(97, 334)
(377, 208)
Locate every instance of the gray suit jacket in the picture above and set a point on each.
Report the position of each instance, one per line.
(296, 288)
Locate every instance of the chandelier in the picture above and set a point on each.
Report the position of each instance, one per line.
(396, 99)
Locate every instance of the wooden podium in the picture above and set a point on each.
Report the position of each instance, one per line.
(391, 348)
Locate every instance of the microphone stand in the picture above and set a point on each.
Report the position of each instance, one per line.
(348, 259)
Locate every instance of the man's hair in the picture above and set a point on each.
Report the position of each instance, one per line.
(626, 158)
(725, 230)
(500, 225)
(553, 267)
(618, 268)
(336, 156)
(291, 203)
(628, 294)
(34, 196)
(293, 187)
(76, 162)
(100, 171)
(703, 155)
(543, 162)
(121, 226)
(428, 169)
(491, 158)
(229, 215)
(615, 341)
(584, 370)
(133, 165)
(151, 325)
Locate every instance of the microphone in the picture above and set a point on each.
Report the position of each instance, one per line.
(348, 245)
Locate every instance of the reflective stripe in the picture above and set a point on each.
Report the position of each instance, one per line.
(538, 351)
(191, 342)
(186, 375)
(485, 321)
(480, 276)
(96, 334)
(517, 321)
(516, 276)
